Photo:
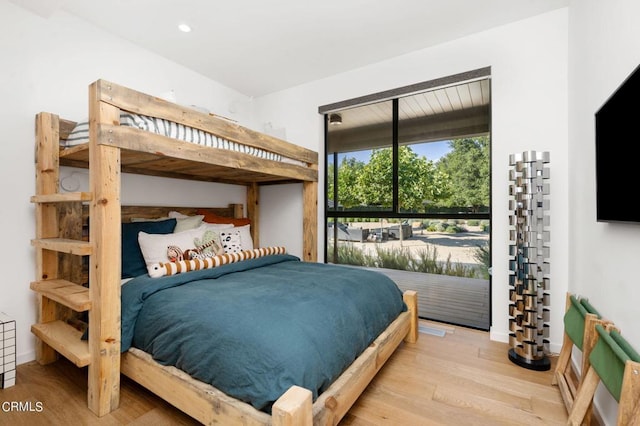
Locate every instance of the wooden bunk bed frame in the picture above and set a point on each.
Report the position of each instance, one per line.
(60, 248)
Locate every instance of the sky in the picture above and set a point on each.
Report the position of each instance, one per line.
(432, 150)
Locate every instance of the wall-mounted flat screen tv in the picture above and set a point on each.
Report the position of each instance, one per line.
(617, 125)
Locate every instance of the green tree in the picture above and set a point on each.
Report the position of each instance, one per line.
(417, 177)
(348, 172)
(467, 165)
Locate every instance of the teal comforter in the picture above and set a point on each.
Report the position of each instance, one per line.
(254, 328)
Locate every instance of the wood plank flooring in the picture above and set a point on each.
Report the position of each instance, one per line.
(462, 378)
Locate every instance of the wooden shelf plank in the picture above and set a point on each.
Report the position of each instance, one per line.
(62, 197)
(64, 245)
(65, 339)
(65, 292)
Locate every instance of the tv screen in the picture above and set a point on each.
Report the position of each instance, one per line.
(617, 125)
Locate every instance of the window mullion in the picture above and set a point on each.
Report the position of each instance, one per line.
(395, 204)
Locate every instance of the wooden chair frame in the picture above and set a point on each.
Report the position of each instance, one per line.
(629, 400)
(565, 376)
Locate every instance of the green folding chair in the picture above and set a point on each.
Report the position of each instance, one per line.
(579, 321)
(617, 365)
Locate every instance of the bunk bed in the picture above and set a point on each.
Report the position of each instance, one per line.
(84, 228)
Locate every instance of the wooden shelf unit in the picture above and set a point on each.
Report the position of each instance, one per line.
(64, 292)
(59, 298)
(65, 339)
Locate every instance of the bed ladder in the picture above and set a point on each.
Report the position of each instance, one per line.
(57, 296)
(61, 248)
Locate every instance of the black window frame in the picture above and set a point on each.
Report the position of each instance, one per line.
(394, 95)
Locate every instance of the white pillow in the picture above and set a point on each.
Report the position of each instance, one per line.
(154, 246)
(218, 225)
(245, 236)
(182, 223)
(189, 222)
(246, 241)
(175, 215)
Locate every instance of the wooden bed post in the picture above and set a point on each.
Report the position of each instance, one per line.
(293, 408)
(410, 298)
(47, 177)
(253, 212)
(105, 263)
(310, 221)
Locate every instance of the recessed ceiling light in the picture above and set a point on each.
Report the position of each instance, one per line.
(184, 28)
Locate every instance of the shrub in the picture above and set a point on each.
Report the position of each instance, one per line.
(400, 258)
(442, 227)
(393, 258)
(427, 261)
(482, 255)
(348, 254)
(454, 229)
(458, 269)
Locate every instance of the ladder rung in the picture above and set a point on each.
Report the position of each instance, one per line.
(62, 197)
(65, 292)
(65, 340)
(64, 245)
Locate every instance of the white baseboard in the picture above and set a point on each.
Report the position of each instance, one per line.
(25, 357)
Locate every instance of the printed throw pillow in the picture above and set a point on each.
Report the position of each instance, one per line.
(245, 233)
(230, 240)
(208, 245)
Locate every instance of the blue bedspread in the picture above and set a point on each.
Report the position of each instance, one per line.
(254, 328)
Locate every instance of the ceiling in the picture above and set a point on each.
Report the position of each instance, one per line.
(258, 47)
(455, 111)
(467, 96)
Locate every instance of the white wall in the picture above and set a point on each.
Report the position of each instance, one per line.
(528, 61)
(52, 61)
(604, 46)
(47, 65)
(549, 75)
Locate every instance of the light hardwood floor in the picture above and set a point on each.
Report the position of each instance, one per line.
(462, 378)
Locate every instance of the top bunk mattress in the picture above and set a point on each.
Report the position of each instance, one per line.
(160, 126)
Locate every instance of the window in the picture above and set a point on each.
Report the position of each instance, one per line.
(400, 165)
